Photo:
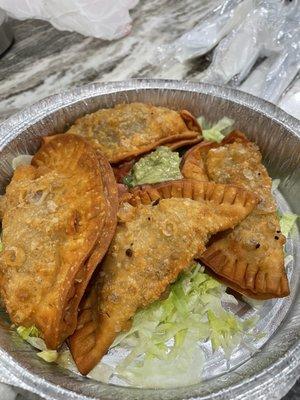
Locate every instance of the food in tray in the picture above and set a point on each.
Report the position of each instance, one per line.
(167, 227)
(249, 258)
(102, 228)
(127, 130)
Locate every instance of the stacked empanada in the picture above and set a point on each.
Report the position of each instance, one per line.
(128, 130)
(59, 218)
(249, 258)
(161, 229)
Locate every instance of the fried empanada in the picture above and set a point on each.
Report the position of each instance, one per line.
(161, 229)
(183, 143)
(249, 258)
(127, 130)
(193, 164)
(59, 218)
(111, 198)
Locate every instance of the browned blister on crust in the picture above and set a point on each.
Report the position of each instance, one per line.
(161, 229)
(127, 130)
(250, 258)
(55, 212)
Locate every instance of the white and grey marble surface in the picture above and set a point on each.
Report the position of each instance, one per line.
(43, 61)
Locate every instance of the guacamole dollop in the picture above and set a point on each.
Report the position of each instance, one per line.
(159, 166)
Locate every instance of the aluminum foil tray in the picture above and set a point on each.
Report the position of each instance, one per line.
(273, 365)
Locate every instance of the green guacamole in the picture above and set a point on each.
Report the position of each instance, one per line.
(159, 166)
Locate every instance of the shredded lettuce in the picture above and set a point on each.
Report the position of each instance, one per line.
(287, 222)
(22, 159)
(25, 333)
(48, 355)
(164, 342)
(184, 364)
(275, 184)
(215, 132)
(63, 357)
(37, 343)
(32, 336)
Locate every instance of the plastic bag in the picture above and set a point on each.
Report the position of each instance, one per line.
(255, 81)
(287, 65)
(290, 102)
(257, 46)
(103, 19)
(274, 75)
(255, 37)
(203, 37)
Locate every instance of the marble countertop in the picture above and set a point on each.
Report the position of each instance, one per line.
(43, 61)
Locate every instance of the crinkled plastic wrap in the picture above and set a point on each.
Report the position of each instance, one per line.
(279, 70)
(252, 374)
(206, 35)
(256, 37)
(103, 19)
(290, 102)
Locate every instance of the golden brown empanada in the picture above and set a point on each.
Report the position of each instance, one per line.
(127, 130)
(161, 229)
(59, 217)
(249, 258)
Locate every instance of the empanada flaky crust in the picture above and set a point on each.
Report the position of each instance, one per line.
(127, 130)
(250, 258)
(161, 229)
(55, 217)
